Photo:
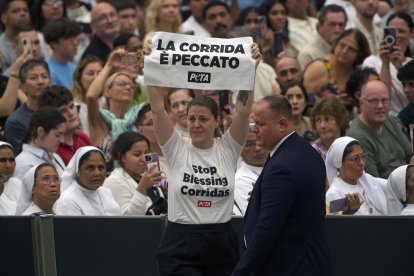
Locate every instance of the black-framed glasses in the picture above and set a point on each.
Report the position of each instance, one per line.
(375, 102)
(357, 158)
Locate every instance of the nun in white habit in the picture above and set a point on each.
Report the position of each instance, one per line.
(401, 181)
(82, 191)
(366, 187)
(40, 190)
(9, 186)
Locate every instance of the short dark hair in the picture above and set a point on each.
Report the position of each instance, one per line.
(357, 78)
(331, 106)
(141, 114)
(55, 96)
(120, 5)
(333, 8)
(213, 4)
(60, 28)
(5, 5)
(28, 65)
(47, 117)
(406, 72)
(124, 143)
(245, 12)
(22, 29)
(278, 104)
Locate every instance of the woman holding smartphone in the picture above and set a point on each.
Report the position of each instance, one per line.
(364, 193)
(131, 181)
(199, 239)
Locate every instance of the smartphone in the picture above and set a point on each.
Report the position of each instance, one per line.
(337, 205)
(390, 37)
(130, 60)
(277, 43)
(27, 45)
(151, 159)
(189, 33)
(224, 101)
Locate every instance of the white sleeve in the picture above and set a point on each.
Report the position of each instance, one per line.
(131, 204)
(67, 207)
(243, 185)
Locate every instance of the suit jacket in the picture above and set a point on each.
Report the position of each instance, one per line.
(284, 221)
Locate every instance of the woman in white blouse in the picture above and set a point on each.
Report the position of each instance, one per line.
(130, 182)
(345, 162)
(40, 190)
(82, 191)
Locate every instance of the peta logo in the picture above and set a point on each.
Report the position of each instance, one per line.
(204, 204)
(199, 77)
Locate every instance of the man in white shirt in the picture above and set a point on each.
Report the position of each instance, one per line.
(195, 23)
(364, 21)
(331, 23)
(253, 159)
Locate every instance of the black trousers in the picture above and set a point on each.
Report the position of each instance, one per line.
(198, 250)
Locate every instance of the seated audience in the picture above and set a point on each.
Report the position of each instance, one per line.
(345, 163)
(400, 191)
(14, 14)
(40, 190)
(44, 135)
(329, 120)
(359, 77)
(130, 182)
(60, 98)
(406, 77)
(331, 23)
(34, 77)
(105, 28)
(82, 191)
(178, 100)
(9, 185)
(379, 133)
(296, 94)
(62, 35)
(327, 77)
(195, 23)
(105, 125)
(86, 71)
(253, 158)
(389, 61)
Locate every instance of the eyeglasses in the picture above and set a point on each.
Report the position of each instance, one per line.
(375, 102)
(124, 84)
(52, 2)
(357, 158)
(49, 179)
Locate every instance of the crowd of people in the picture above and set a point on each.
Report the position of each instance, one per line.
(78, 121)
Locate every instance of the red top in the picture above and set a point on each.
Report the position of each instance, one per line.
(66, 152)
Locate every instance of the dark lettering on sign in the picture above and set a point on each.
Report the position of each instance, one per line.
(199, 77)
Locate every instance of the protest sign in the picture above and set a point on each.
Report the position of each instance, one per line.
(195, 62)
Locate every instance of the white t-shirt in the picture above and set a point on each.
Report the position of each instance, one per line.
(246, 175)
(339, 189)
(201, 181)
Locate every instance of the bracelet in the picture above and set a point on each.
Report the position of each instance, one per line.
(13, 75)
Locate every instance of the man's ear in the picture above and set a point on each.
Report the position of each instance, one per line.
(283, 122)
(3, 18)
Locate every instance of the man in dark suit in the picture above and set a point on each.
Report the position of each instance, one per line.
(284, 221)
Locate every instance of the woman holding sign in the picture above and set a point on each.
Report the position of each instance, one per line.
(199, 239)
